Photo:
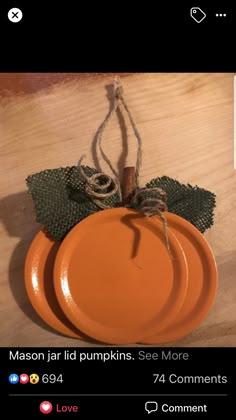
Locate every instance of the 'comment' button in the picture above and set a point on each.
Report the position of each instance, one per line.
(151, 406)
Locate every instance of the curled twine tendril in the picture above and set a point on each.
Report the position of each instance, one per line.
(152, 206)
(97, 184)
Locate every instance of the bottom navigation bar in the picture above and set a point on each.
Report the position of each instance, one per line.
(110, 406)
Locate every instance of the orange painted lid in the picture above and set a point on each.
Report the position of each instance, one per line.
(39, 265)
(115, 278)
(202, 284)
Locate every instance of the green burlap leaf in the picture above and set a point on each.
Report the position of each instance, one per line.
(60, 199)
(192, 203)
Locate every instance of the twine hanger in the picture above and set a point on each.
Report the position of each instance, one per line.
(100, 185)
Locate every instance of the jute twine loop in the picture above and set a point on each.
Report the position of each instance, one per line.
(118, 93)
(152, 206)
(96, 184)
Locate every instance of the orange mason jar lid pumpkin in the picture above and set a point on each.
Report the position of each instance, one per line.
(115, 279)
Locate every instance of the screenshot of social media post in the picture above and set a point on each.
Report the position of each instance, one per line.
(118, 244)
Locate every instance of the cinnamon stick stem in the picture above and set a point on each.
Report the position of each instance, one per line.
(128, 184)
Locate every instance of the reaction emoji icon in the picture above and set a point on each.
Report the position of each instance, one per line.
(34, 378)
(45, 407)
(24, 379)
(13, 378)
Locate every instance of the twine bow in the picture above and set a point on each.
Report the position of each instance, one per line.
(151, 201)
(64, 196)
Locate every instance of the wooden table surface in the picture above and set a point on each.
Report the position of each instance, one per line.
(50, 120)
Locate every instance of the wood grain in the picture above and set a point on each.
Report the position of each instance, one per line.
(186, 123)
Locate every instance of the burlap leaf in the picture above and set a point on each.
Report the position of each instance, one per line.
(60, 199)
(192, 203)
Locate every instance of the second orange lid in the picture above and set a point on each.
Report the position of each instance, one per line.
(115, 278)
(39, 265)
(202, 282)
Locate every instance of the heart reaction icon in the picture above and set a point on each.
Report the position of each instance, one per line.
(45, 407)
(24, 378)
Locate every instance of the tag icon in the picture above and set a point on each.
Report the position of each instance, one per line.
(197, 14)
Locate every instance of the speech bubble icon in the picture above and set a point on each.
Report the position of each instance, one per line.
(151, 406)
